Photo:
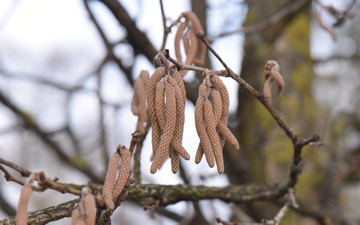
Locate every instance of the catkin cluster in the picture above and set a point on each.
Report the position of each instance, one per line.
(85, 213)
(138, 103)
(195, 50)
(166, 99)
(112, 186)
(211, 118)
(272, 74)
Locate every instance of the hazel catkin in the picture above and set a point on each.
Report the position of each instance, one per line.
(124, 173)
(110, 181)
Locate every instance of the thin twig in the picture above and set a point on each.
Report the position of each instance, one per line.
(166, 29)
(22, 171)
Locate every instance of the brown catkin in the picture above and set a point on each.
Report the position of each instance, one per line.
(213, 135)
(267, 91)
(190, 56)
(160, 108)
(224, 101)
(177, 41)
(90, 207)
(21, 216)
(272, 73)
(217, 107)
(124, 172)
(175, 160)
(224, 97)
(110, 181)
(160, 104)
(224, 130)
(150, 94)
(135, 105)
(196, 26)
(140, 91)
(75, 216)
(199, 154)
(81, 221)
(217, 104)
(177, 76)
(169, 128)
(200, 126)
(144, 76)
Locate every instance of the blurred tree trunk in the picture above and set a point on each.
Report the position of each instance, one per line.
(262, 142)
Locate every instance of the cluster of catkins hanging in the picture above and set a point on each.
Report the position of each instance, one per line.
(166, 99)
(211, 118)
(114, 186)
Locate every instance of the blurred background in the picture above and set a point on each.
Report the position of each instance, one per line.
(66, 74)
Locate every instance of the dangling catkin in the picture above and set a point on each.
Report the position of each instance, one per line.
(140, 90)
(75, 216)
(224, 97)
(169, 129)
(21, 216)
(217, 104)
(213, 135)
(90, 207)
(150, 94)
(160, 104)
(196, 25)
(272, 73)
(177, 41)
(110, 181)
(124, 172)
(200, 126)
(199, 154)
(160, 108)
(175, 160)
(226, 133)
(176, 143)
(181, 84)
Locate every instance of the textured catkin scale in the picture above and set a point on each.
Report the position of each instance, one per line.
(213, 135)
(75, 216)
(160, 104)
(110, 181)
(200, 127)
(177, 76)
(176, 143)
(224, 130)
(224, 100)
(217, 104)
(224, 97)
(174, 156)
(124, 171)
(21, 216)
(199, 154)
(90, 207)
(169, 128)
(150, 94)
(217, 107)
(279, 81)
